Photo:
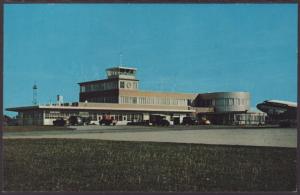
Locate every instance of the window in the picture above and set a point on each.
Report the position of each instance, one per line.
(82, 88)
(93, 87)
(242, 102)
(168, 101)
(220, 102)
(237, 101)
(119, 117)
(213, 102)
(122, 84)
(230, 101)
(88, 88)
(126, 100)
(156, 100)
(226, 101)
(208, 102)
(101, 86)
(134, 100)
(152, 101)
(135, 85)
(115, 85)
(176, 102)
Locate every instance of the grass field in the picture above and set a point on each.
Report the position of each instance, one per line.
(94, 165)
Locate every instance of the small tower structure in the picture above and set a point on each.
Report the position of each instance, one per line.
(34, 94)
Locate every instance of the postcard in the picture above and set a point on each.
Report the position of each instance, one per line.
(150, 97)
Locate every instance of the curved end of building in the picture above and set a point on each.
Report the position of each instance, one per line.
(225, 101)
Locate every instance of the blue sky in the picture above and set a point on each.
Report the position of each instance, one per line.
(194, 48)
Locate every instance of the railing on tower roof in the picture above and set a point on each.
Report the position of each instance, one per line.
(121, 72)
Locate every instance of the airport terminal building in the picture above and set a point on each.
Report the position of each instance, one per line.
(119, 96)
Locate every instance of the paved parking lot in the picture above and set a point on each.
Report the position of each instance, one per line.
(280, 137)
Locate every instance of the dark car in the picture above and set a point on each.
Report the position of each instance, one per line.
(189, 121)
(159, 120)
(139, 123)
(60, 122)
(86, 120)
(164, 122)
(75, 120)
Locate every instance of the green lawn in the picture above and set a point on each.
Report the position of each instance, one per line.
(94, 165)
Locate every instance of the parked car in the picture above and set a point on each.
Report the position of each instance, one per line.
(192, 121)
(107, 120)
(159, 120)
(189, 121)
(60, 122)
(139, 123)
(204, 121)
(163, 122)
(75, 120)
(86, 120)
(94, 122)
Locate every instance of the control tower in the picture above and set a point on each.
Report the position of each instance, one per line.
(121, 73)
(118, 79)
(125, 76)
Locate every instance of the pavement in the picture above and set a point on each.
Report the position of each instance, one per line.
(217, 135)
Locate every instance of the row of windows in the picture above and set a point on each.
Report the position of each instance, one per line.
(224, 102)
(153, 101)
(103, 99)
(243, 117)
(99, 86)
(64, 114)
(128, 84)
(107, 86)
(58, 114)
(126, 117)
(94, 116)
(31, 115)
(120, 72)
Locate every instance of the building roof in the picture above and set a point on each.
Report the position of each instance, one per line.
(108, 107)
(104, 80)
(121, 67)
(141, 93)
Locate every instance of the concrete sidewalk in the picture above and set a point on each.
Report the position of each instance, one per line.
(279, 137)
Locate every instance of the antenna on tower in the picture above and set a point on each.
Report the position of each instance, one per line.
(34, 94)
(121, 55)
